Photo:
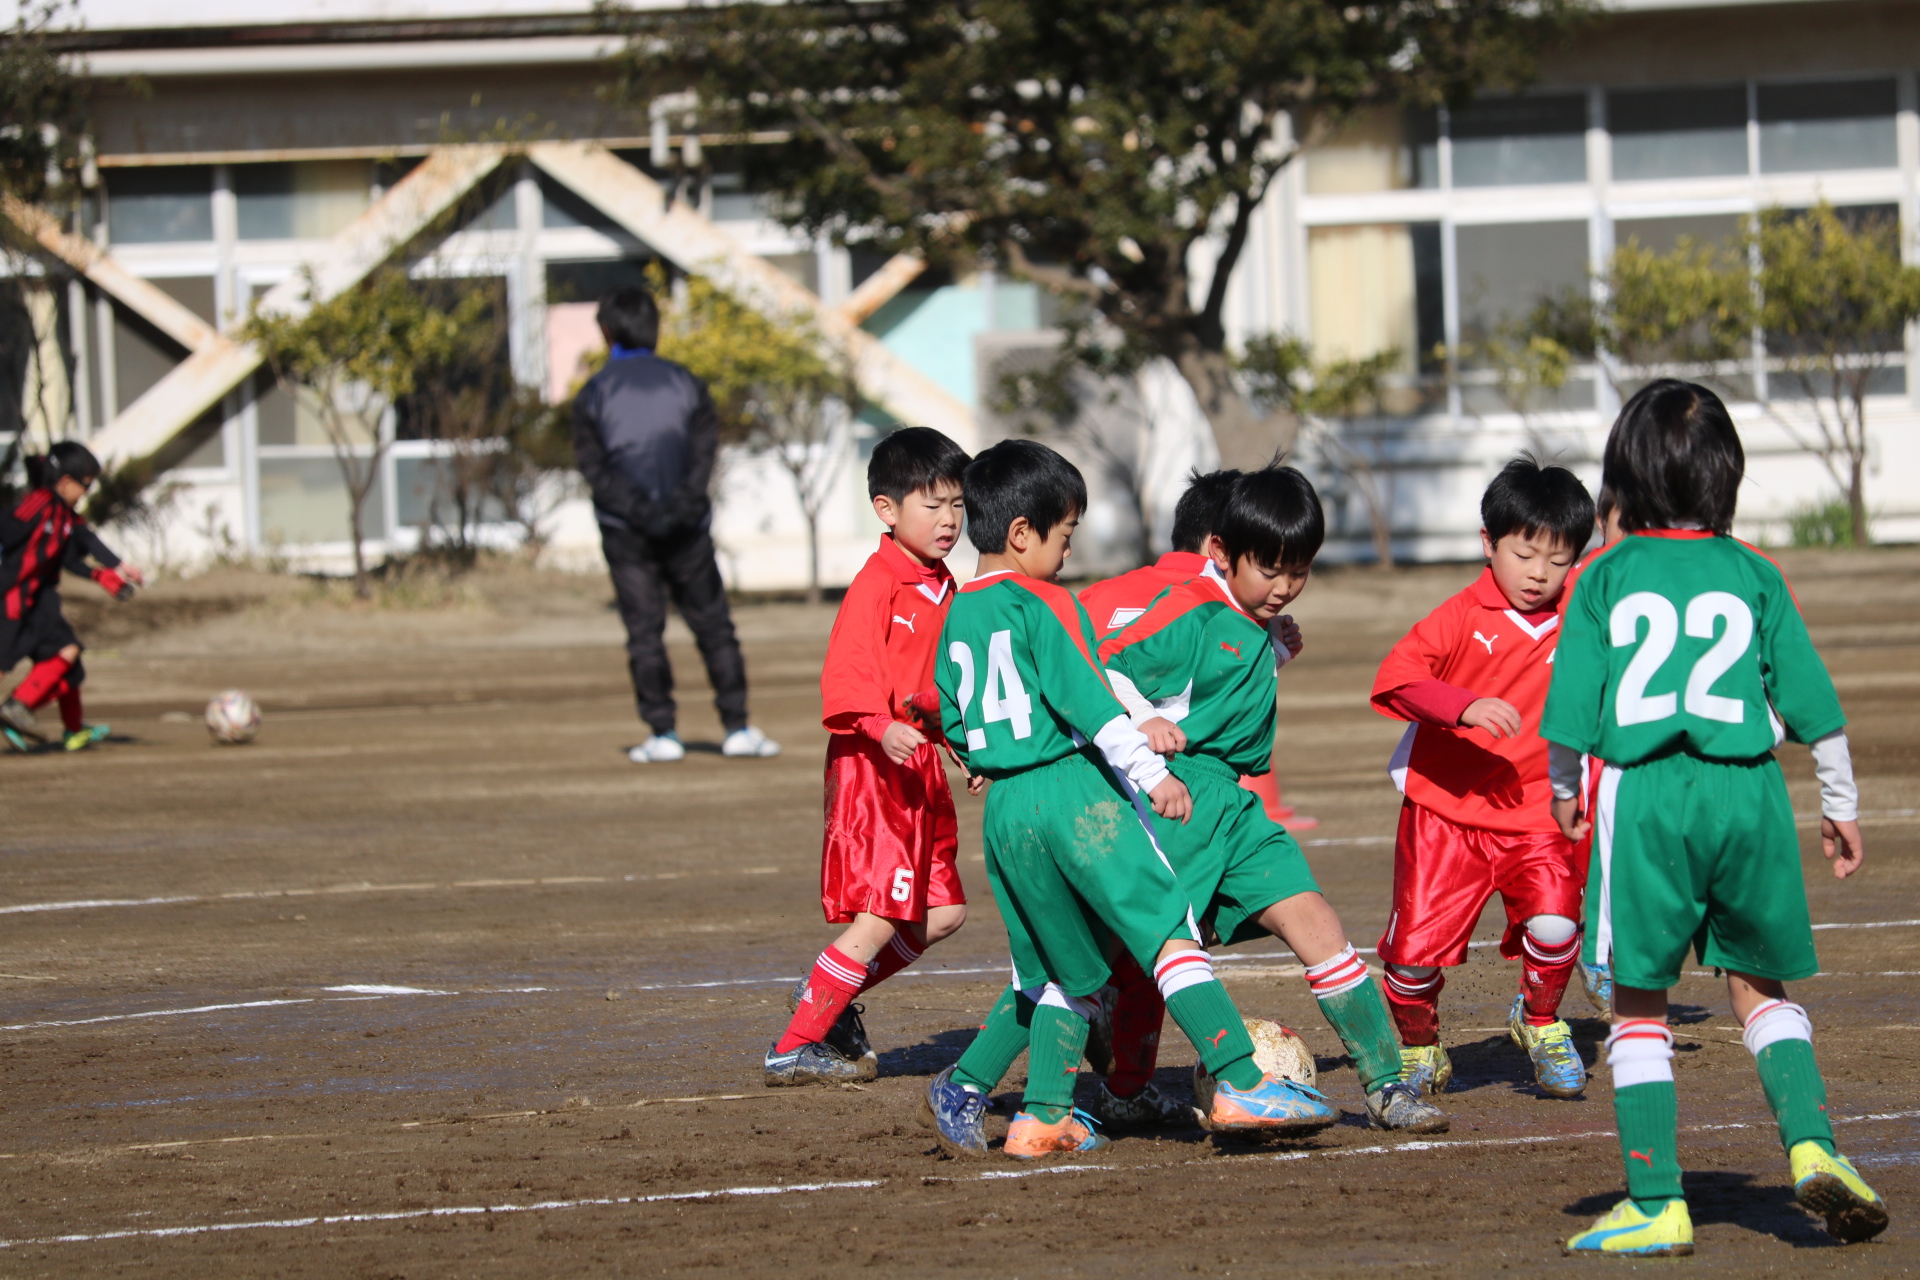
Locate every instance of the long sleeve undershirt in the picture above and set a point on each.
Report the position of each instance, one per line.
(1832, 764)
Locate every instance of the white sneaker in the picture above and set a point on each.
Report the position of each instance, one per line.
(659, 749)
(748, 742)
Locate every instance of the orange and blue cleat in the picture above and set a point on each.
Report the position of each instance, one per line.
(1276, 1105)
(1030, 1136)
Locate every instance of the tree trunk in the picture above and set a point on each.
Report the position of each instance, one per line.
(1246, 440)
(362, 589)
(813, 555)
(1857, 497)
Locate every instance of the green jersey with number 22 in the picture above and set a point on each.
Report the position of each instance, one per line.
(1679, 640)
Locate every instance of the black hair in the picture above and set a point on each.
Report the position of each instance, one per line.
(1274, 516)
(1194, 514)
(1530, 499)
(1673, 459)
(630, 317)
(912, 459)
(65, 458)
(1019, 478)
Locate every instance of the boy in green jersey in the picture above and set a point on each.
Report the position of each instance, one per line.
(1197, 673)
(1683, 663)
(1073, 866)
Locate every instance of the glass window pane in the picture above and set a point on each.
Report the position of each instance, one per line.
(1845, 124)
(1662, 235)
(425, 483)
(732, 202)
(1506, 269)
(305, 500)
(305, 201)
(162, 205)
(1361, 284)
(1501, 142)
(142, 355)
(1694, 132)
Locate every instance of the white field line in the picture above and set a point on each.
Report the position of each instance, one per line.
(865, 1184)
(353, 994)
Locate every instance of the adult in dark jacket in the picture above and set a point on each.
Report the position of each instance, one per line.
(644, 435)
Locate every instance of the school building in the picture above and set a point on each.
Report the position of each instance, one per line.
(249, 151)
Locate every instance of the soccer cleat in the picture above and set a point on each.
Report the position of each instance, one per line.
(1829, 1185)
(1598, 981)
(810, 1064)
(1276, 1105)
(1030, 1136)
(1147, 1109)
(848, 1034)
(86, 735)
(16, 741)
(1400, 1108)
(1426, 1067)
(748, 743)
(958, 1115)
(661, 748)
(1099, 1048)
(1630, 1233)
(15, 715)
(1556, 1063)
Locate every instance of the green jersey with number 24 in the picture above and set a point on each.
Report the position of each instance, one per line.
(1678, 640)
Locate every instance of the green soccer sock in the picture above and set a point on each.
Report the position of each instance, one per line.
(1796, 1093)
(1205, 1013)
(1648, 1116)
(1366, 1028)
(1004, 1038)
(1058, 1038)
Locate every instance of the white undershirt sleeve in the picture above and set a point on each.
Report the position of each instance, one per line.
(1833, 765)
(1130, 754)
(1131, 698)
(1564, 767)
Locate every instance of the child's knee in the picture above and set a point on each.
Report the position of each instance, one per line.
(944, 922)
(70, 654)
(1552, 930)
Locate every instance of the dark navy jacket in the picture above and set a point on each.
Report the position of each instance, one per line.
(644, 436)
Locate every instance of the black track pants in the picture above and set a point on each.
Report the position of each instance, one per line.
(647, 573)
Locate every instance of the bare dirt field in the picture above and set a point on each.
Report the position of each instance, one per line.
(429, 981)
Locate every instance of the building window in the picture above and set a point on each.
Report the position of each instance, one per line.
(162, 205)
(1840, 124)
(304, 201)
(304, 500)
(1379, 149)
(1695, 132)
(1504, 142)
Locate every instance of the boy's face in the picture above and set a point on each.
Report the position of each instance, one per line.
(1261, 590)
(926, 523)
(1529, 568)
(72, 490)
(1039, 557)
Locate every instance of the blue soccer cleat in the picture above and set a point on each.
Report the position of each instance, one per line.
(809, 1064)
(958, 1115)
(1627, 1232)
(1598, 981)
(1276, 1105)
(1556, 1063)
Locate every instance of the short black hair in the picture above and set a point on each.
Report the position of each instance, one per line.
(911, 459)
(70, 458)
(630, 317)
(1194, 514)
(1019, 478)
(1673, 459)
(1530, 498)
(1274, 516)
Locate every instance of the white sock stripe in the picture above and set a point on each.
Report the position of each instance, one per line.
(1337, 976)
(1347, 955)
(1773, 1022)
(833, 968)
(904, 947)
(1537, 950)
(1412, 986)
(1183, 969)
(1640, 1051)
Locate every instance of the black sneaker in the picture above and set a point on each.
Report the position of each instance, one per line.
(1147, 1109)
(809, 1064)
(848, 1038)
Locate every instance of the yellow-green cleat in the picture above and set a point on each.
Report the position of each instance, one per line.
(1629, 1233)
(86, 735)
(1426, 1067)
(1829, 1185)
(1556, 1063)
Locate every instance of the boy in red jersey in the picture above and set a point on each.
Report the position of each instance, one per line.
(888, 863)
(1472, 677)
(39, 539)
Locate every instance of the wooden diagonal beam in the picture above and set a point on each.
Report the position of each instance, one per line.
(882, 287)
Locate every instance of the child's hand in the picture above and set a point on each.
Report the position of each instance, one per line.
(1164, 736)
(1566, 814)
(1287, 632)
(1840, 841)
(1171, 799)
(132, 573)
(900, 741)
(1496, 715)
(976, 784)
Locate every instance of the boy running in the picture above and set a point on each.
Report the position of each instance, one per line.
(1472, 677)
(887, 865)
(40, 538)
(1686, 662)
(1072, 866)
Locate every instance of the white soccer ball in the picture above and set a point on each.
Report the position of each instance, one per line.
(233, 718)
(1276, 1051)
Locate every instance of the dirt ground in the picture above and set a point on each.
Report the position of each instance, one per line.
(429, 981)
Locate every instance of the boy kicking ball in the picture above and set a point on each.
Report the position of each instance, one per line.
(1472, 677)
(887, 865)
(1683, 663)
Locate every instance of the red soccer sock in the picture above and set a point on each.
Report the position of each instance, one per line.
(1544, 971)
(70, 708)
(831, 987)
(893, 957)
(41, 682)
(1416, 1005)
(1137, 1014)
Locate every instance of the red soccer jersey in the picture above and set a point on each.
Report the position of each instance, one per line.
(883, 643)
(1114, 603)
(1483, 647)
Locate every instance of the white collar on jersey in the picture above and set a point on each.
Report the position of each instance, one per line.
(1530, 629)
(930, 593)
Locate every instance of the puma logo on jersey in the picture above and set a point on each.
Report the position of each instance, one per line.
(906, 622)
(1487, 641)
(1232, 649)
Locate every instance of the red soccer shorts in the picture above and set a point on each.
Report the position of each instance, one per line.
(1443, 874)
(892, 843)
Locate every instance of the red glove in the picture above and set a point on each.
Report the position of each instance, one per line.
(113, 584)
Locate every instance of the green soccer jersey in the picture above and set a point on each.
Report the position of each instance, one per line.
(1205, 664)
(1017, 676)
(1680, 640)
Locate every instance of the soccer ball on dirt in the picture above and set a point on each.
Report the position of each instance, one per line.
(233, 718)
(1276, 1051)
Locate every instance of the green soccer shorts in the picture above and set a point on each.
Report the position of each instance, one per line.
(1234, 860)
(1074, 870)
(1696, 853)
